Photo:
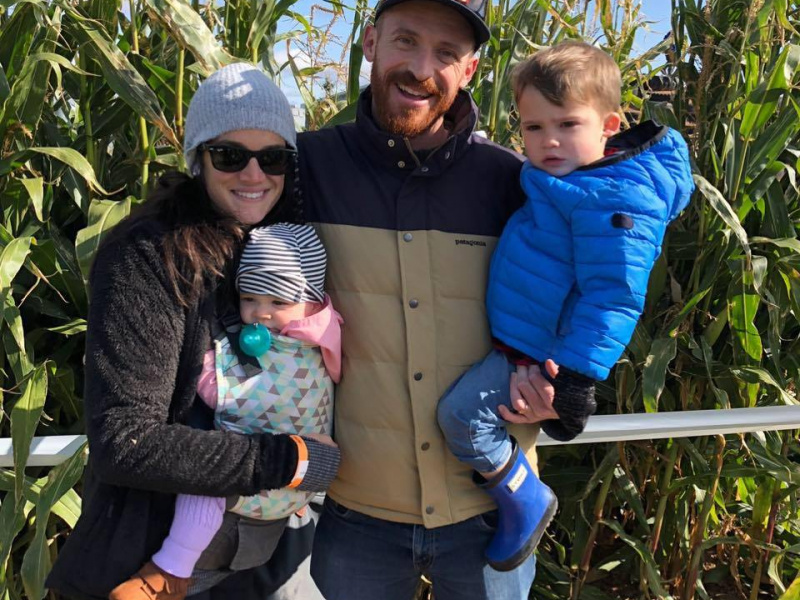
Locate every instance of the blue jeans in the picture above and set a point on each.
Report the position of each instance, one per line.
(467, 414)
(358, 557)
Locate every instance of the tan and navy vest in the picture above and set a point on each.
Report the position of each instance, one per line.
(409, 240)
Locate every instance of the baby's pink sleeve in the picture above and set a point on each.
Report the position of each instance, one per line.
(207, 384)
(331, 343)
(323, 328)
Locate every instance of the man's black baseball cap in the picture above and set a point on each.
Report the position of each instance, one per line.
(474, 11)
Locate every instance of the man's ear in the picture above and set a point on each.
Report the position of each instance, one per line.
(369, 42)
(472, 67)
(611, 124)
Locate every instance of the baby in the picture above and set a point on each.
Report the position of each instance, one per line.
(569, 275)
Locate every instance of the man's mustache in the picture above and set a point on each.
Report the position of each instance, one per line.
(407, 79)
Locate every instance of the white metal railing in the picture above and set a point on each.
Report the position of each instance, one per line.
(52, 450)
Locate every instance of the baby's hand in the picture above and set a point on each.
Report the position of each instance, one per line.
(321, 438)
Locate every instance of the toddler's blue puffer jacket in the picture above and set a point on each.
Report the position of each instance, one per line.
(569, 275)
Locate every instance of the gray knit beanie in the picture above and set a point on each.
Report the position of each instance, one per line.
(239, 96)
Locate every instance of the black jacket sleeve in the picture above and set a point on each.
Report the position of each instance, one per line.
(134, 342)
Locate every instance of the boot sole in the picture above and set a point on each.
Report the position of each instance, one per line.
(520, 557)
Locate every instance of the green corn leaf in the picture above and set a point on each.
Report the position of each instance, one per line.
(743, 305)
(121, 77)
(191, 32)
(299, 79)
(793, 591)
(263, 31)
(356, 57)
(12, 519)
(774, 572)
(16, 37)
(5, 89)
(787, 243)
(345, 115)
(724, 210)
(68, 508)
(72, 328)
(36, 562)
(62, 387)
(24, 420)
(654, 580)
(73, 159)
(103, 215)
(720, 395)
(27, 98)
(14, 321)
(605, 469)
(35, 188)
(762, 504)
(626, 490)
(757, 374)
(12, 259)
(681, 316)
(699, 462)
(17, 359)
(60, 61)
(761, 106)
(654, 373)
(769, 144)
(625, 384)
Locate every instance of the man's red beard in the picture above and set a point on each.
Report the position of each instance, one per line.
(406, 122)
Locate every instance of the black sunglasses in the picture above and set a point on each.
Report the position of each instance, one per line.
(230, 159)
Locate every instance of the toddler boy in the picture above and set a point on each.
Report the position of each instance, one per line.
(569, 274)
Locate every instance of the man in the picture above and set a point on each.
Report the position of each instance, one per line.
(409, 203)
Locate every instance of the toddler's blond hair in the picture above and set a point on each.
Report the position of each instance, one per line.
(571, 71)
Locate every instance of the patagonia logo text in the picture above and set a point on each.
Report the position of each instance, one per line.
(470, 243)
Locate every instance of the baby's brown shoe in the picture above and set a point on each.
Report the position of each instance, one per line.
(151, 583)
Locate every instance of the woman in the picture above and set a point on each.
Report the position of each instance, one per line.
(159, 285)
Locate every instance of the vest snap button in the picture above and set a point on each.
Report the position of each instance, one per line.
(417, 376)
(391, 143)
(425, 446)
(413, 303)
(429, 510)
(407, 237)
(401, 164)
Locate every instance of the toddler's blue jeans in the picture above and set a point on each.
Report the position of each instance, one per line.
(468, 417)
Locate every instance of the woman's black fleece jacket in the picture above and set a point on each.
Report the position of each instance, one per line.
(144, 354)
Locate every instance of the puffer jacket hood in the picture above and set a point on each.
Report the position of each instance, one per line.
(649, 155)
(570, 273)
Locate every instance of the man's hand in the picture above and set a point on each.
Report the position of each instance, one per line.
(531, 395)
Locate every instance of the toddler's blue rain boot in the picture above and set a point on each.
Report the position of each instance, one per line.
(525, 508)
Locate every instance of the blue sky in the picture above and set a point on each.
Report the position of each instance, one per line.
(655, 12)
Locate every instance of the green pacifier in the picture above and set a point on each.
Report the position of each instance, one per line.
(255, 339)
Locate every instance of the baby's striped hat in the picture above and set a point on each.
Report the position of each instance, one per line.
(284, 260)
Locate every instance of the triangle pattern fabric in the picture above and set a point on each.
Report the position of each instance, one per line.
(292, 393)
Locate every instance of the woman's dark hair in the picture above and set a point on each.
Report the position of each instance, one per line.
(201, 243)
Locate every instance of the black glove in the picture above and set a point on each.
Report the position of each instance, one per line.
(574, 402)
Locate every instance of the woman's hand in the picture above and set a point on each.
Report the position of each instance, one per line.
(531, 395)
